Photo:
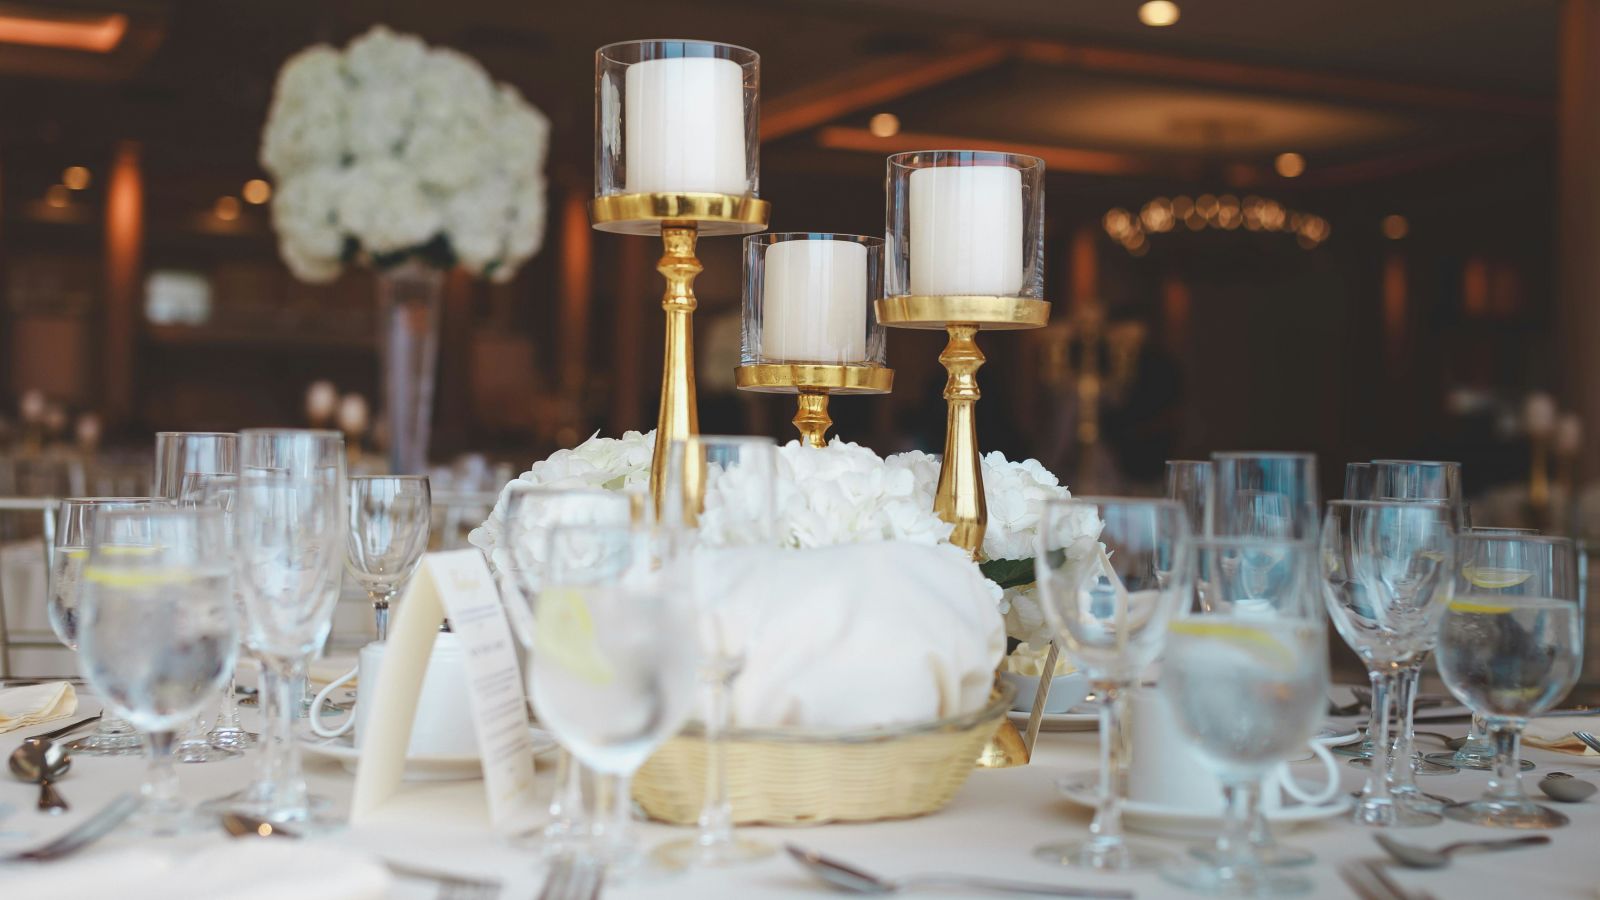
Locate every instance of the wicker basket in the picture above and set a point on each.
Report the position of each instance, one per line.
(780, 777)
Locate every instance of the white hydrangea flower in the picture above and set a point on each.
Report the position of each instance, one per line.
(306, 123)
(384, 204)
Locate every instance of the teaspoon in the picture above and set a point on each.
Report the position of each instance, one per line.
(42, 762)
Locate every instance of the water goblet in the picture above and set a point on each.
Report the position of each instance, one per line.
(1358, 481)
(69, 552)
(1510, 647)
(1245, 674)
(389, 521)
(1189, 482)
(739, 475)
(183, 453)
(1105, 577)
(221, 492)
(159, 632)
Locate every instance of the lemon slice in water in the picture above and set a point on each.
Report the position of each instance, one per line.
(1479, 607)
(1262, 645)
(564, 631)
(1495, 578)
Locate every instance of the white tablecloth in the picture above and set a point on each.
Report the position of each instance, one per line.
(990, 828)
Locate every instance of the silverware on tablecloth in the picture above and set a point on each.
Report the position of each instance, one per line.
(1566, 789)
(1413, 857)
(1367, 878)
(571, 878)
(65, 729)
(42, 762)
(90, 830)
(846, 877)
(1588, 739)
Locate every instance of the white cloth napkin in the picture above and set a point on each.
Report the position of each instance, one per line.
(35, 703)
(244, 869)
(854, 636)
(1555, 733)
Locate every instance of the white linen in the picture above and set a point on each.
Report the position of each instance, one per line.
(34, 704)
(856, 635)
(244, 869)
(1555, 733)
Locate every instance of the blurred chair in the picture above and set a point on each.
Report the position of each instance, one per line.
(24, 579)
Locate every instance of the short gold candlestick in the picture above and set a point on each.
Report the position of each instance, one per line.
(959, 498)
(680, 219)
(812, 383)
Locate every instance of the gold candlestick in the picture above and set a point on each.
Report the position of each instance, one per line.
(959, 498)
(680, 219)
(812, 384)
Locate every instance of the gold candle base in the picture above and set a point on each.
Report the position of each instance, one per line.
(680, 219)
(812, 383)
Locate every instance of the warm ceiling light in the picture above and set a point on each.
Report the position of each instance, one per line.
(75, 177)
(257, 191)
(1394, 227)
(92, 32)
(884, 125)
(227, 208)
(1158, 13)
(1290, 165)
(58, 196)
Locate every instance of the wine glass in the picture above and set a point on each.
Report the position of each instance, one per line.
(530, 514)
(1511, 647)
(389, 521)
(1358, 481)
(1387, 576)
(158, 632)
(613, 662)
(1105, 575)
(181, 453)
(221, 492)
(1189, 482)
(1246, 675)
(741, 473)
(290, 539)
(75, 523)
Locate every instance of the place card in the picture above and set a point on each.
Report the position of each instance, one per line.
(454, 584)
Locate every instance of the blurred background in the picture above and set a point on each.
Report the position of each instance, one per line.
(1354, 227)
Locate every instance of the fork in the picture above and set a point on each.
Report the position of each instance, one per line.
(573, 879)
(93, 829)
(451, 887)
(1589, 739)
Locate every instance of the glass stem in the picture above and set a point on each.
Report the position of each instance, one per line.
(228, 717)
(1505, 785)
(566, 804)
(160, 788)
(1241, 800)
(1402, 776)
(1106, 829)
(716, 813)
(1377, 789)
(282, 758)
(380, 611)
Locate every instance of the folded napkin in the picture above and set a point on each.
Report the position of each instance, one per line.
(247, 868)
(1555, 733)
(35, 703)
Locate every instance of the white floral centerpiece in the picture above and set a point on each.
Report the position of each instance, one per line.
(392, 150)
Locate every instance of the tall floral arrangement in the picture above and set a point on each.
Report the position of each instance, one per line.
(391, 150)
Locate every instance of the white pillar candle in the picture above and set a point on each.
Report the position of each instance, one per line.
(685, 126)
(966, 231)
(814, 302)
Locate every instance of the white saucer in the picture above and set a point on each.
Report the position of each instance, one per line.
(418, 768)
(1081, 789)
(1337, 736)
(1076, 720)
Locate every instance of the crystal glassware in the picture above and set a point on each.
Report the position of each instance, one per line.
(739, 474)
(1245, 673)
(389, 521)
(75, 523)
(158, 632)
(221, 492)
(289, 528)
(1358, 481)
(1477, 751)
(181, 453)
(1105, 577)
(1510, 647)
(613, 663)
(1189, 482)
(1387, 576)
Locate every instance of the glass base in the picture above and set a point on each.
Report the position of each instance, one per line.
(1235, 881)
(1392, 815)
(691, 852)
(1523, 814)
(1463, 760)
(236, 739)
(1118, 856)
(1274, 855)
(107, 744)
(255, 800)
(202, 751)
(1419, 765)
(1420, 800)
(167, 819)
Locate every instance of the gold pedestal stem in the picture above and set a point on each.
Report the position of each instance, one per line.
(811, 416)
(959, 497)
(679, 416)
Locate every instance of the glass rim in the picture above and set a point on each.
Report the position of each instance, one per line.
(355, 478)
(163, 511)
(1263, 454)
(601, 52)
(1188, 462)
(95, 501)
(1441, 463)
(781, 237)
(753, 439)
(197, 433)
(291, 432)
(1218, 542)
(1428, 502)
(1553, 539)
(998, 158)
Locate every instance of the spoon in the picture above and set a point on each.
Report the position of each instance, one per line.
(42, 762)
(852, 880)
(1414, 857)
(1563, 787)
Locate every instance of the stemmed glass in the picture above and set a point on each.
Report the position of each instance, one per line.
(613, 663)
(1105, 572)
(389, 521)
(221, 492)
(1189, 482)
(1511, 647)
(75, 523)
(1387, 576)
(741, 473)
(530, 514)
(290, 540)
(158, 631)
(1477, 751)
(1246, 675)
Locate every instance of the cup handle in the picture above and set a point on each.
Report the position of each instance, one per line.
(315, 713)
(1330, 767)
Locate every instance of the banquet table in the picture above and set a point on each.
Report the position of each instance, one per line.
(989, 828)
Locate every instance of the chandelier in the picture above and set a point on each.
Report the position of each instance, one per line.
(1225, 213)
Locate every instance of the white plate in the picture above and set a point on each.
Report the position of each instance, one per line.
(1067, 721)
(1080, 788)
(1337, 735)
(418, 768)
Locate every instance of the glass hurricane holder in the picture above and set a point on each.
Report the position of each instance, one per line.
(409, 297)
(965, 252)
(809, 326)
(676, 144)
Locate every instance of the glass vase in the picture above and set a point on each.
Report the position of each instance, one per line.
(409, 296)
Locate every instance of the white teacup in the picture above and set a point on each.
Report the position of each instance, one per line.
(1167, 769)
(443, 725)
